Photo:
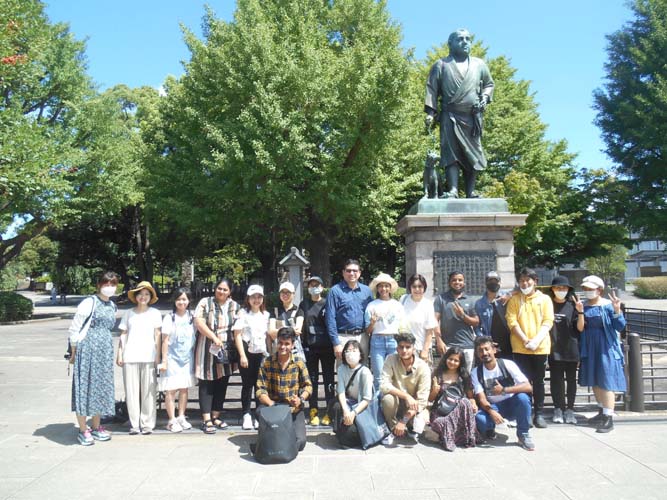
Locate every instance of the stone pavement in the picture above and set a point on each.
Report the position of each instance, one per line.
(39, 456)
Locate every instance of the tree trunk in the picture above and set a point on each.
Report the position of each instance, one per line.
(12, 247)
(144, 260)
(319, 248)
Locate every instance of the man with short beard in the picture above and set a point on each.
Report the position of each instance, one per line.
(502, 392)
(456, 317)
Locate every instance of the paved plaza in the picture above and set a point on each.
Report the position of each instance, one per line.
(40, 458)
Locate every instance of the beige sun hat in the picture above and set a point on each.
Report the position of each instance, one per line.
(143, 285)
(383, 278)
(592, 282)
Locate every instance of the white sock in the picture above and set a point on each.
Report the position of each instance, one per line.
(607, 411)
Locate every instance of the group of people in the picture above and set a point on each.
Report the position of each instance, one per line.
(494, 354)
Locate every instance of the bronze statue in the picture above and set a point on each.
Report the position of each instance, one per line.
(433, 184)
(464, 87)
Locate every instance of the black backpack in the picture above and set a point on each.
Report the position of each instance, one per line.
(506, 381)
(276, 443)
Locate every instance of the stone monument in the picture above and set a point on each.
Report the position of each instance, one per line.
(442, 232)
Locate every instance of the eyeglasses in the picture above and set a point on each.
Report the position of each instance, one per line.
(351, 270)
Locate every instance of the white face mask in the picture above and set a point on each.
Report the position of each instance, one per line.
(315, 290)
(560, 295)
(590, 294)
(352, 357)
(526, 290)
(108, 291)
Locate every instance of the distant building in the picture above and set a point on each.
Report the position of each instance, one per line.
(646, 258)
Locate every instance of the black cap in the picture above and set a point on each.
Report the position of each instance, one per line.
(561, 281)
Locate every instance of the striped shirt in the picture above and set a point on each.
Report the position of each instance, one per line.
(206, 367)
(279, 384)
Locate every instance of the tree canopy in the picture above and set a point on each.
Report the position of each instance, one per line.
(632, 113)
(283, 129)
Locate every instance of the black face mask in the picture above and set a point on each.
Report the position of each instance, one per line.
(493, 287)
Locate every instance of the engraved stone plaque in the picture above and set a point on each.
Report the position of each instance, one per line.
(473, 264)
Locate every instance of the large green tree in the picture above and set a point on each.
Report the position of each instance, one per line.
(42, 81)
(62, 156)
(285, 128)
(632, 113)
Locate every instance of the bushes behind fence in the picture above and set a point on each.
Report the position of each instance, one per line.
(14, 307)
(651, 288)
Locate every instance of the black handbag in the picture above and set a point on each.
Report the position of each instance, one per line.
(447, 400)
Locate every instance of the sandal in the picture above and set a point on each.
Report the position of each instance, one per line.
(208, 427)
(220, 424)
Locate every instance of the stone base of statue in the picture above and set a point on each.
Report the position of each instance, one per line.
(473, 236)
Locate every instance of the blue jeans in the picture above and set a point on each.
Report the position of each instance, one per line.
(381, 347)
(515, 408)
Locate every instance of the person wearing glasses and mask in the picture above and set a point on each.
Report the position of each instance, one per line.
(346, 304)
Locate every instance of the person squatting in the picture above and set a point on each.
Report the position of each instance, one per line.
(493, 355)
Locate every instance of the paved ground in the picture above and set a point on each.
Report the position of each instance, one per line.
(39, 457)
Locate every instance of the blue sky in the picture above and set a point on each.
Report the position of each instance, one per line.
(558, 46)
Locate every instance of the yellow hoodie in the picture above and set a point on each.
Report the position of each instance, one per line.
(531, 313)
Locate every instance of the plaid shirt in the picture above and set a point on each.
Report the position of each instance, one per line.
(280, 384)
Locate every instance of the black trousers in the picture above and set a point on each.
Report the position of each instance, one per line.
(533, 367)
(562, 371)
(212, 394)
(249, 378)
(326, 357)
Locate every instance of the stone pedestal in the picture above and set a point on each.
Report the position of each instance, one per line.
(474, 236)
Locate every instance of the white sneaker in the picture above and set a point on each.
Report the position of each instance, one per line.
(388, 440)
(255, 423)
(247, 422)
(184, 423)
(569, 417)
(558, 416)
(174, 426)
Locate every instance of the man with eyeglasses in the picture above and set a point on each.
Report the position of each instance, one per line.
(346, 304)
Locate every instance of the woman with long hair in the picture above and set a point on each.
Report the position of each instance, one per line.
(457, 428)
(214, 318)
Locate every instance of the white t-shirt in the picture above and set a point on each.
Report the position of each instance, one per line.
(390, 313)
(140, 327)
(254, 327)
(420, 316)
(490, 376)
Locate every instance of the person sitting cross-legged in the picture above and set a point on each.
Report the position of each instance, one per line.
(502, 392)
(406, 384)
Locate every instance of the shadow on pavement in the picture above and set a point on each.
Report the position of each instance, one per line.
(64, 434)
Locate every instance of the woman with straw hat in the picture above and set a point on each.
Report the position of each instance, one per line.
(382, 319)
(138, 356)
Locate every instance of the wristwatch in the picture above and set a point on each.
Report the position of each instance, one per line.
(503, 392)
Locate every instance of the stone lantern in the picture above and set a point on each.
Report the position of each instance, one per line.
(294, 263)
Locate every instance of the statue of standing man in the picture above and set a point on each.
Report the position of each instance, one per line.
(464, 87)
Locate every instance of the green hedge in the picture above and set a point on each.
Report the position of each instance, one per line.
(14, 307)
(651, 288)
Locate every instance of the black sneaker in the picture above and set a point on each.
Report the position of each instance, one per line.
(490, 434)
(539, 421)
(606, 425)
(596, 419)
